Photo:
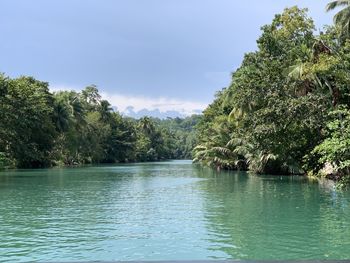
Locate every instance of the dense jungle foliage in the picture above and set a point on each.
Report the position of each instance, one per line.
(40, 129)
(286, 110)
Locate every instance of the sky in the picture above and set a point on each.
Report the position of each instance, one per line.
(160, 56)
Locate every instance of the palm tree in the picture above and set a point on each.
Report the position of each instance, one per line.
(218, 150)
(105, 110)
(310, 79)
(147, 125)
(61, 116)
(342, 18)
(77, 110)
(216, 156)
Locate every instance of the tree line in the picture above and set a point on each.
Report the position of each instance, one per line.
(42, 129)
(286, 110)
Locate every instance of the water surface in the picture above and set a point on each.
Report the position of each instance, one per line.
(168, 211)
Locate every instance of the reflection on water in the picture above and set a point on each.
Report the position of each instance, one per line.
(168, 211)
(253, 217)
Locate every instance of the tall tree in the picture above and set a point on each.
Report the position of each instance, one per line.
(29, 115)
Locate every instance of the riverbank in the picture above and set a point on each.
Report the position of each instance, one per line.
(40, 129)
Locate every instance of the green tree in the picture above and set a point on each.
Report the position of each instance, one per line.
(279, 118)
(27, 131)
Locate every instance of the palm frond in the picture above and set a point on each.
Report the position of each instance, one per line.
(222, 150)
(342, 17)
(296, 71)
(334, 4)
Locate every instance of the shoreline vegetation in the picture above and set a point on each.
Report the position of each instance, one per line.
(42, 129)
(286, 110)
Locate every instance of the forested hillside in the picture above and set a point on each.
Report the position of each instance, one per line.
(41, 129)
(286, 110)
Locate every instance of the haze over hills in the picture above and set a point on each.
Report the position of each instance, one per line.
(138, 106)
(156, 113)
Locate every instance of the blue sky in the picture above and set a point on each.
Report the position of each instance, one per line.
(166, 55)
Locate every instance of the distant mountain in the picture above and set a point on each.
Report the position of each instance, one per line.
(156, 113)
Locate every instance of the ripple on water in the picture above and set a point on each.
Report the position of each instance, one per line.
(168, 211)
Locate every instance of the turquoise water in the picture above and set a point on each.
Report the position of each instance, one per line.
(168, 211)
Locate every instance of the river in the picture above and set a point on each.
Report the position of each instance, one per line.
(168, 211)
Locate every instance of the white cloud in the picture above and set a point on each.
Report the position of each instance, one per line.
(55, 88)
(163, 104)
